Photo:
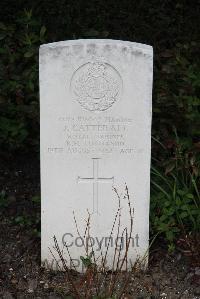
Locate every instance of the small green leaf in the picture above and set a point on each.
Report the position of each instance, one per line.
(185, 207)
(189, 195)
(86, 261)
(170, 235)
(178, 201)
(183, 215)
(181, 192)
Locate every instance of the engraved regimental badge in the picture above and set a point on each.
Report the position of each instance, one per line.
(96, 86)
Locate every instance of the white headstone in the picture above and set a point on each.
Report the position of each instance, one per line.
(95, 101)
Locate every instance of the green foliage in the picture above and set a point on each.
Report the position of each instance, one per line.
(175, 198)
(29, 222)
(87, 261)
(177, 89)
(13, 133)
(24, 218)
(19, 43)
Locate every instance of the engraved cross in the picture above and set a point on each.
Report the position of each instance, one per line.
(95, 180)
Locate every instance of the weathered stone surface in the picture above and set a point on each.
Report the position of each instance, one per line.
(95, 98)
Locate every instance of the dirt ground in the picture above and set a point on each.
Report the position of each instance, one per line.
(168, 276)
